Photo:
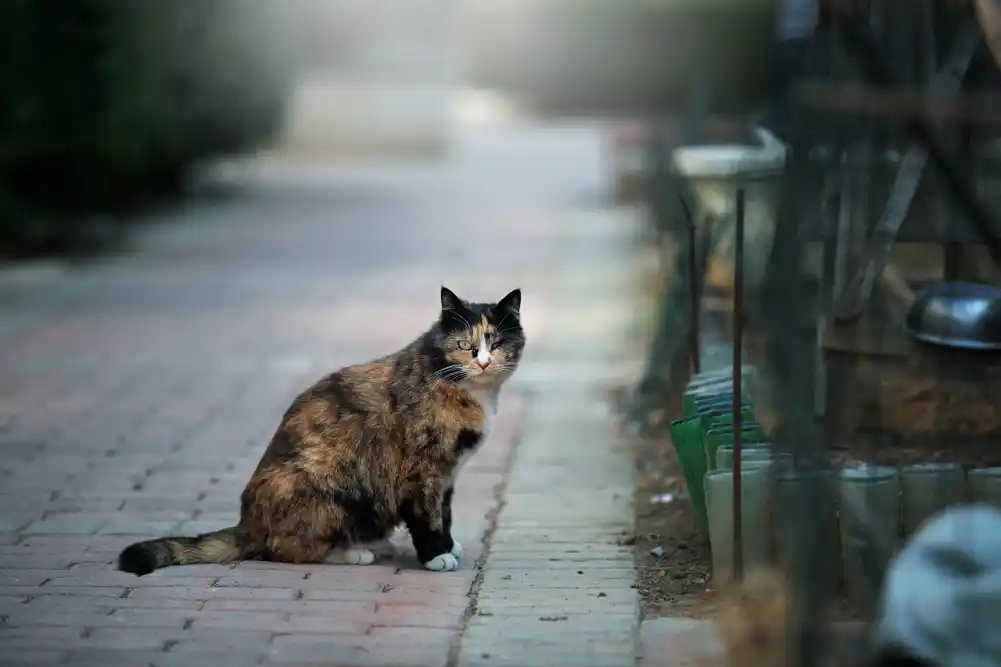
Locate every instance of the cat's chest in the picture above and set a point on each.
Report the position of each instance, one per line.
(488, 402)
(469, 440)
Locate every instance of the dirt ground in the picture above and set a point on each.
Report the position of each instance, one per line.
(673, 562)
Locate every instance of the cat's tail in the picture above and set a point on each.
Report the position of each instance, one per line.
(220, 546)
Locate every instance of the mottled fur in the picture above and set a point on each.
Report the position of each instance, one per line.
(366, 448)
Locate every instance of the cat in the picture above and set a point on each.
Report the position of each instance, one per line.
(369, 447)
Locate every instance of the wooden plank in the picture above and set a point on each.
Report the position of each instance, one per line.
(905, 186)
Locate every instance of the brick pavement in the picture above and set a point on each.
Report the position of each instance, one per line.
(137, 394)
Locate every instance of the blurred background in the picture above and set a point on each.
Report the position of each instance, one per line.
(109, 104)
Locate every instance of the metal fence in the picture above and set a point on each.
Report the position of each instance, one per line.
(891, 151)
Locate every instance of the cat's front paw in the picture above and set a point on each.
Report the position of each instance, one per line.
(456, 549)
(443, 563)
(351, 556)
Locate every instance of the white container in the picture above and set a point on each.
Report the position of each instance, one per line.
(876, 489)
(755, 492)
(793, 515)
(715, 174)
(928, 487)
(985, 485)
(748, 454)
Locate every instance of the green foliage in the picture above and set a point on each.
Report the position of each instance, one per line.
(104, 103)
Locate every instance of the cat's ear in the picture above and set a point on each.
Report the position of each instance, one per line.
(449, 301)
(511, 302)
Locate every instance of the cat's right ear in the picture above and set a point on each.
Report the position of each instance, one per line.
(449, 301)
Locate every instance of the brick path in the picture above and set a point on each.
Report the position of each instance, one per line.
(137, 394)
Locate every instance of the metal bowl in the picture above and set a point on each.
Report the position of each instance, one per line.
(959, 315)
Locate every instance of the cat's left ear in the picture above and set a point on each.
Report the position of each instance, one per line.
(449, 301)
(511, 302)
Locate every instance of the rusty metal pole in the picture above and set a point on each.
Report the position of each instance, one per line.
(738, 377)
(694, 269)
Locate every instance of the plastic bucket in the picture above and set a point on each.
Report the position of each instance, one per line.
(985, 485)
(686, 434)
(876, 489)
(755, 492)
(716, 437)
(928, 487)
(748, 454)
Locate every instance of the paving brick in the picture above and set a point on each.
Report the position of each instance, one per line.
(453, 597)
(171, 590)
(68, 524)
(261, 579)
(30, 616)
(123, 638)
(21, 639)
(183, 655)
(25, 577)
(411, 636)
(111, 657)
(329, 624)
(14, 561)
(416, 616)
(316, 607)
(172, 619)
(12, 657)
(305, 649)
(346, 577)
(215, 640)
(345, 596)
(183, 576)
(110, 577)
(136, 526)
(199, 526)
(456, 581)
(557, 608)
(182, 604)
(240, 620)
(75, 544)
(11, 524)
(51, 590)
(11, 603)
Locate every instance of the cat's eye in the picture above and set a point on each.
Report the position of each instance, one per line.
(465, 345)
(496, 344)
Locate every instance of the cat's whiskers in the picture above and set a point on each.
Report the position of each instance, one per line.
(450, 373)
(456, 313)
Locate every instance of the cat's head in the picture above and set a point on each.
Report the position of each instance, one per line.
(480, 342)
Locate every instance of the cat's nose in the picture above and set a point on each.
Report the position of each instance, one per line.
(483, 364)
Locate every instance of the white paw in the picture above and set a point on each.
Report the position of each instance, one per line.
(351, 557)
(456, 549)
(442, 563)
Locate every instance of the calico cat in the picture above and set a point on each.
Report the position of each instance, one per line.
(366, 448)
